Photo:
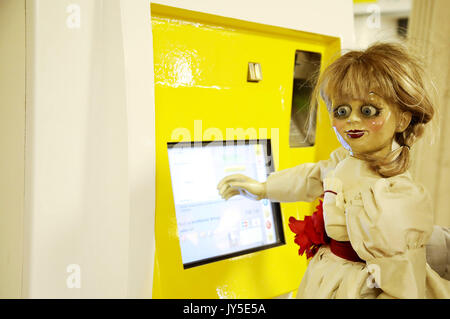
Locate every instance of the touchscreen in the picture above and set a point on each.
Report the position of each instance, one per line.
(209, 227)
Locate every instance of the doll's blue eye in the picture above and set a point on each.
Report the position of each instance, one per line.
(369, 110)
(342, 111)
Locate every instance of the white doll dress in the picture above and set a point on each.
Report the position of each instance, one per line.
(388, 222)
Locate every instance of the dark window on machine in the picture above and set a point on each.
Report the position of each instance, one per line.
(302, 130)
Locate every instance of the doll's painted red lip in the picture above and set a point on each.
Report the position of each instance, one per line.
(355, 133)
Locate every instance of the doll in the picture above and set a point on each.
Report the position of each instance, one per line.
(368, 237)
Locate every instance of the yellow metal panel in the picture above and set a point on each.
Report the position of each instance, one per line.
(201, 92)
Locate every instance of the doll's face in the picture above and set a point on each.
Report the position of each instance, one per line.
(366, 126)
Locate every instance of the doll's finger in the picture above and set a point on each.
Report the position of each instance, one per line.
(223, 182)
(220, 184)
(238, 177)
(232, 178)
(230, 193)
(229, 182)
(223, 188)
(238, 185)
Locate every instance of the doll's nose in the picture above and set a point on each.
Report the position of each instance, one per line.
(353, 118)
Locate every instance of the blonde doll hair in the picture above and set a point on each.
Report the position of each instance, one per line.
(390, 71)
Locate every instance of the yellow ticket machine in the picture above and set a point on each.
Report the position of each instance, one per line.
(230, 96)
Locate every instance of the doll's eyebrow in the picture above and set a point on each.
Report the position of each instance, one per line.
(338, 105)
(371, 103)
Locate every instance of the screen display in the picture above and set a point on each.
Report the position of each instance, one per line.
(209, 227)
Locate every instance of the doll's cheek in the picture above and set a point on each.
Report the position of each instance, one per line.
(375, 125)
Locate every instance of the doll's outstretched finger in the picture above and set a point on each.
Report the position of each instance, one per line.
(231, 193)
(223, 188)
(229, 178)
(233, 178)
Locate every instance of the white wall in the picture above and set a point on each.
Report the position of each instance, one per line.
(387, 7)
(378, 21)
(90, 151)
(138, 57)
(367, 33)
(329, 17)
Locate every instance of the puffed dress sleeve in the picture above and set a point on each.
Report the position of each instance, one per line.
(438, 251)
(303, 182)
(389, 225)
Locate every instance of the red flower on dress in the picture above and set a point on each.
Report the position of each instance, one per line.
(310, 232)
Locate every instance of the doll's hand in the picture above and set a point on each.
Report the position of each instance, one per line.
(238, 184)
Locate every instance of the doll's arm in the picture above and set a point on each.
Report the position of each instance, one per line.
(303, 182)
(300, 183)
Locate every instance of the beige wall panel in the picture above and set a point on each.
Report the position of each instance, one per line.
(12, 142)
(428, 37)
